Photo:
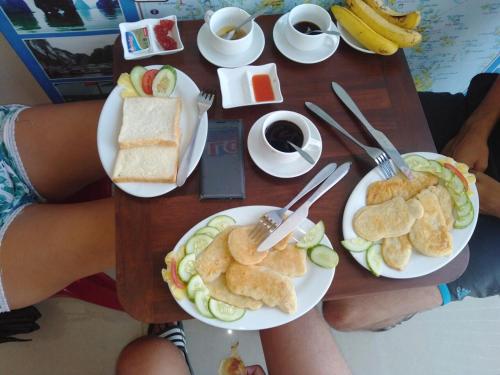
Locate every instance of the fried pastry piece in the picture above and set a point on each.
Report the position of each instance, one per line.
(283, 243)
(429, 235)
(290, 262)
(243, 248)
(262, 284)
(396, 252)
(393, 218)
(218, 289)
(446, 204)
(215, 259)
(399, 186)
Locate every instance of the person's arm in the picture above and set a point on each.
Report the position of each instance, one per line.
(470, 145)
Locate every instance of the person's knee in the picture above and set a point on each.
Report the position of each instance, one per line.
(342, 316)
(150, 356)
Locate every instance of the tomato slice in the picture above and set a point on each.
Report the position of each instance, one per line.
(175, 278)
(458, 174)
(147, 81)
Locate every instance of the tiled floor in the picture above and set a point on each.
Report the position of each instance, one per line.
(77, 338)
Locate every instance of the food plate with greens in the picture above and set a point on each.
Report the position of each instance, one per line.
(291, 280)
(400, 229)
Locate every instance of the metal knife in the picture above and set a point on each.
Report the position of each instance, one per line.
(294, 220)
(380, 137)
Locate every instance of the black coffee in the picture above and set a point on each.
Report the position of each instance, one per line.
(306, 26)
(279, 132)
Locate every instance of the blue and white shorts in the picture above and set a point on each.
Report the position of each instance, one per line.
(16, 190)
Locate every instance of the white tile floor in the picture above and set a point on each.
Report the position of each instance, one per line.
(77, 338)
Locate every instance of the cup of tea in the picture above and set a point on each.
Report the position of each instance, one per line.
(224, 20)
(281, 127)
(303, 18)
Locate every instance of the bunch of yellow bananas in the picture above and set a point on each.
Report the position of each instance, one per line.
(377, 27)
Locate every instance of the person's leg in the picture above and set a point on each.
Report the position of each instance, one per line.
(304, 346)
(49, 246)
(151, 356)
(377, 311)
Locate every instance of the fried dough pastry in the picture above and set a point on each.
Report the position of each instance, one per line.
(429, 235)
(215, 259)
(396, 252)
(290, 262)
(283, 243)
(399, 186)
(393, 218)
(262, 284)
(243, 248)
(218, 290)
(446, 204)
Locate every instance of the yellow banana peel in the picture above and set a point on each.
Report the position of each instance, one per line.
(408, 20)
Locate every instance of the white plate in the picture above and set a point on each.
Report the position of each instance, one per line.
(265, 160)
(304, 57)
(236, 85)
(419, 265)
(310, 288)
(230, 61)
(155, 47)
(349, 39)
(110, 122)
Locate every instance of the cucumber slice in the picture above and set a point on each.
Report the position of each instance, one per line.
(356, 244)
(458, 198)
(186, 269)
(198, 243)
(324, 256)
(464, 209)
(464, 221)
(435, 168)
(313, 236)
(221, 222)
(201, 301)
(195, 284)
(417, 163)
(446, 174)
(224, 311)
(456, 184)
(136, 75)
(209, 231)
(165, 81)
(374, 259)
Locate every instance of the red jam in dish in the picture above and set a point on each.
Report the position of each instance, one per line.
(262, 88)
(162, 30)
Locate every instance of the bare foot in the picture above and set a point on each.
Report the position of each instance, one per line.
(489, 194)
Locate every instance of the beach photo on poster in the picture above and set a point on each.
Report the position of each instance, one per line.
(47, 16)
(74, 57)
(84, 90)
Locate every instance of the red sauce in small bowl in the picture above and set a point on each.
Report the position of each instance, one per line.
(262, 88)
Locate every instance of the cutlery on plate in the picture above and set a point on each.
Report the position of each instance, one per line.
(204, 101)
(378, 156)
(294, 220)
(230, 33)
(380, 137)
(316, 32)
(272, 219)
(302, 153)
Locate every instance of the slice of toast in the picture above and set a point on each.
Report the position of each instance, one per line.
(150, 121)
(146, 164)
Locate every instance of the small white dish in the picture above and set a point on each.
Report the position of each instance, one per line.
(237, 89)
(230, 61)
(349, 39)
(266, 160)
(304, 57)
(154, 47)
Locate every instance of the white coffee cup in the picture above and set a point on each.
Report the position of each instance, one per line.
(298, 120)
(229, 16)
(307, 13)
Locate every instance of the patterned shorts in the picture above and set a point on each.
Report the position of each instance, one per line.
(16, 190)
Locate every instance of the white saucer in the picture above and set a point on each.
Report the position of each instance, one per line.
(300, 56)
(230, 61)
(266, 160)
(349, 39)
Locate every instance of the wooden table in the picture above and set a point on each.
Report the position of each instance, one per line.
(382, 86)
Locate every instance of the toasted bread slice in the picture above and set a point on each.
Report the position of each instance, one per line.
(150, 121)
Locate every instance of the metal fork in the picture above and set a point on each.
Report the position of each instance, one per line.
(204, 101)
(379, 156)
(272, 219)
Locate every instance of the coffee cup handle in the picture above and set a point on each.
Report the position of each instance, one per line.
(208, 14)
